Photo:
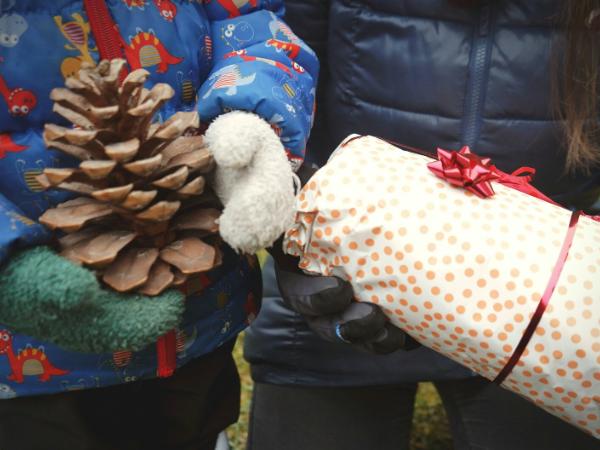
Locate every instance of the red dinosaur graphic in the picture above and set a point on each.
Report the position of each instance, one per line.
(292, 50)
(246, 57)
(20, 102)
(167, 9)
(8, 145)
(146, 50)
(233, 6)
(28, 362)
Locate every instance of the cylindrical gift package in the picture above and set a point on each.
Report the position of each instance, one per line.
(505, 283)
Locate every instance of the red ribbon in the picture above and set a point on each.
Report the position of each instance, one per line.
(467, 170)
(543, 303)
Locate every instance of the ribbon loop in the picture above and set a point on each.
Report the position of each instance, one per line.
(465, 169)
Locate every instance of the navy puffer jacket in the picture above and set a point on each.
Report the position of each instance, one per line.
(425, 73)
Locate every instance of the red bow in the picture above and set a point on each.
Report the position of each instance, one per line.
(465, 169)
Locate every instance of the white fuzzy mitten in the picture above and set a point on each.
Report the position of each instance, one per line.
(253, 179)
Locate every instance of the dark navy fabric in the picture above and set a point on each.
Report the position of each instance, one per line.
(282, 350)
(424, 73)
(218, 55)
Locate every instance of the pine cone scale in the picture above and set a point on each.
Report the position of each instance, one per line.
(160, 278)
(100, 250)
(123, 151)
(131, 269)
(189, 255)
(97, 170)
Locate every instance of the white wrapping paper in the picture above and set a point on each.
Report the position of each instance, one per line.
(461, 274)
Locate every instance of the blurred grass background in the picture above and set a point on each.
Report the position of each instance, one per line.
(430, 426)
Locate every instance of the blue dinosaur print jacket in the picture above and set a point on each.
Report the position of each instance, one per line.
(219, 55)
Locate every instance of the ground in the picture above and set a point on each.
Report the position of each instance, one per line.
(430, 426)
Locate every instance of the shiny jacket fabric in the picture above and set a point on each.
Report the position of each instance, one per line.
(218, 55)
(424, 73)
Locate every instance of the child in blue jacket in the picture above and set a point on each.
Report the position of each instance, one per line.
(60, 332)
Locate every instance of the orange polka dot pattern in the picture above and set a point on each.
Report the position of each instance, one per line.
(462, 275)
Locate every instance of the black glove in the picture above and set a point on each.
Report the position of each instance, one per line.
(329, 309)
(328, 306)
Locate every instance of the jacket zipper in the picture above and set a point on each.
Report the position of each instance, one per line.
(103, 29)
(478, 71)
(105, 32)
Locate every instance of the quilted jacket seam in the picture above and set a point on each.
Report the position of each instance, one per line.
(545, 27)
(382, 11)
(402, 110)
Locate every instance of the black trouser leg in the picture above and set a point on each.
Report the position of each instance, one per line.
(299, 418)
(484, 416)
(184, 412)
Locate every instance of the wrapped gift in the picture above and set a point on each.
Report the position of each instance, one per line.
(458, 256)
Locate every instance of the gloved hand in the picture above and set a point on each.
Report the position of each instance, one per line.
(46, 296)
(253, 179)
(328, 306)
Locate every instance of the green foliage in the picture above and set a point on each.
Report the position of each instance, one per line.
(238, 432)
(430, 426)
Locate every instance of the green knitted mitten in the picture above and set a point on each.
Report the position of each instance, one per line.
(46, 296)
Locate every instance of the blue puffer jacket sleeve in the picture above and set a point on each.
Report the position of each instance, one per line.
(17, 230)
(312, 17)
(261, 66)
(21, 198)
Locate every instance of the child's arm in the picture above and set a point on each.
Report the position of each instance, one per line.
(260, 66)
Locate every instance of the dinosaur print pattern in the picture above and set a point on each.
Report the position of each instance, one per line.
(77, 34)
(292, 50)
(243, 54)
(229, 78)
(184, 341)
(122, 358)
(12, 26)
(20, 101)
(8, 145)
(167, 9)
(188, 87)
(282, 33)
(146, 50)
(131, 4)
(6, 392)
(238, 34)
(28, 362)
(180, 42)
(279, 30)
(207, 50)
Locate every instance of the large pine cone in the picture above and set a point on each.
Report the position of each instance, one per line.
(143, 213)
